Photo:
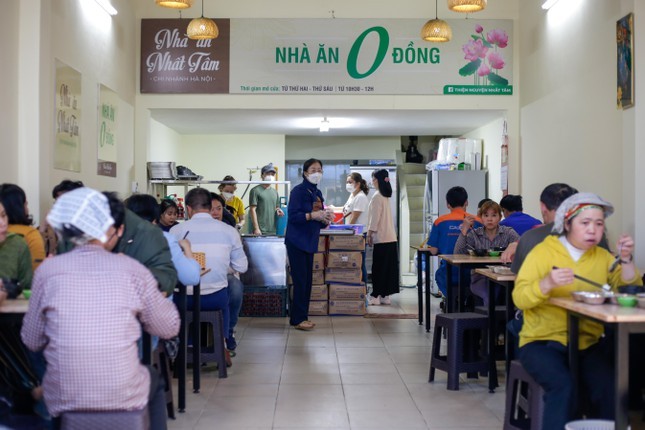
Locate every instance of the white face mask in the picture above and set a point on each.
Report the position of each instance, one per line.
(350, 188)
(227, 196)
(315, 178)
(269, 178)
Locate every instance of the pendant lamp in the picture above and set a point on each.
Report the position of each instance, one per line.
(175, 4)
(202, 28)
(436, 30)
(466, 6)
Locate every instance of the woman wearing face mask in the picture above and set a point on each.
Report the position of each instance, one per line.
(355, 210)
(306, 216)
(381, 235)
(548, 271)
(233, 203)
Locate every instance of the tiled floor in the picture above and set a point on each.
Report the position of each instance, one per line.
(349, 373)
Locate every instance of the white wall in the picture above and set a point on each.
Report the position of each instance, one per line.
(81, 35)
(164, 143)
(491, 137)
(9, 92)
(341, 148)
(571, 130)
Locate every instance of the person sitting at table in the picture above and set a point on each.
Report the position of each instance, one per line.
(222, 245)
(445, 232)
(490, 235)
(168, 211)
(549, 271)
(15, 205)
(15, 259)
(514, 215)
(86, 312)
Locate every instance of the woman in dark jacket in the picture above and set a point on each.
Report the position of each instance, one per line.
(307, 216)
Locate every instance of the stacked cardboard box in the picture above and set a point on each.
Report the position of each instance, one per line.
(318, 304)
(343, 274)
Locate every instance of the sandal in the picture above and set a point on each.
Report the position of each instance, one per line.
(305, 326)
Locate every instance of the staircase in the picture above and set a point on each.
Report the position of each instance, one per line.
(412, 179)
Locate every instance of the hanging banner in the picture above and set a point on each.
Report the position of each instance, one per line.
(107, 141)
(67, 144)
(343, 56)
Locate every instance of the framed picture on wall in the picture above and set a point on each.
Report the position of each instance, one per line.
(625, 62)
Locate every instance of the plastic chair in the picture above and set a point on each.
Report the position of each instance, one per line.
(466, 334)
(524, 400)
(215, 352)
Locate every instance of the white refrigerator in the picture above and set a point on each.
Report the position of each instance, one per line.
(437, 185)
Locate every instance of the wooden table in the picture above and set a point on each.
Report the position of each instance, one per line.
(464, 262)
(625, 321)
(507, 282)
(423, 251)
(14, 308)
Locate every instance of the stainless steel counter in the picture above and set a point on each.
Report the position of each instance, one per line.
(267, 257)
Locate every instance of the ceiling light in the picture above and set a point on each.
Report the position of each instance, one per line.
(548, 4)
(466, 6)
(202, 28)
(324, 125)
(105, 4)
(175, 4)
(436, 30)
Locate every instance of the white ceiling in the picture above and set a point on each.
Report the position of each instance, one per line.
(301, 122)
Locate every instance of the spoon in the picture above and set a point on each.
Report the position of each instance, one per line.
(617, 260)
(605, 287)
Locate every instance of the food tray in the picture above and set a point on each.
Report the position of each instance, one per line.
(161, 170)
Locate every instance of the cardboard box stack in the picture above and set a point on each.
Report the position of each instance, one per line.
(343, 274)
(318, 304)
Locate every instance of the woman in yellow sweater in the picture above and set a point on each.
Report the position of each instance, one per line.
(548, 271)
(14, 200)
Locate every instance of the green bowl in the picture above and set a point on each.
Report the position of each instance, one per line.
(627, 301)
(494, 253)
(26, 294)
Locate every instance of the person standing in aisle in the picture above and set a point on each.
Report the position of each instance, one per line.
(307, 215)
(355, 210)
(381, 236)
(264, 204)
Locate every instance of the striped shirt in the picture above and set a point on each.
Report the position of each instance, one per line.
(85, 312)
(477, 239)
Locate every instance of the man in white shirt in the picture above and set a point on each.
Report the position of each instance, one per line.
(223, 249)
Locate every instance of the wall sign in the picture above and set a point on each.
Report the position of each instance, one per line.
(107, 140)
(67, 144)
(173, 63)
(341, 56)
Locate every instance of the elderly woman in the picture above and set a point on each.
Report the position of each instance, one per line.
(548, 271)
(490, 235)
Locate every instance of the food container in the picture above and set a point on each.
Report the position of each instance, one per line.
(641, 300)
(627, 300)
(501, 270)
(578, 296)
(493, 253)
(593, 298)
(631, 289)
(614, 298)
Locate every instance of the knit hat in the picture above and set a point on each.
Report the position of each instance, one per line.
(83, 208)
(268, 168)
(576, 203)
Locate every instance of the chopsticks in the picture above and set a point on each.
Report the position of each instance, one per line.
(604, 287)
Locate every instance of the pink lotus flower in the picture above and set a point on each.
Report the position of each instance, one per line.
(483, 70)
(474, 49)
(479, 28)
(497, 37)
(496, 60)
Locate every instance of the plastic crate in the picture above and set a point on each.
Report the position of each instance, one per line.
(264, 301)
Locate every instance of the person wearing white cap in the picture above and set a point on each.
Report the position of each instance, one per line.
(549, 271)
(264, 204)
(86, 311)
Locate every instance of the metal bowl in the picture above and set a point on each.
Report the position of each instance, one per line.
(578, 296)
(477, 252)
(502, 270)
(593, 298)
